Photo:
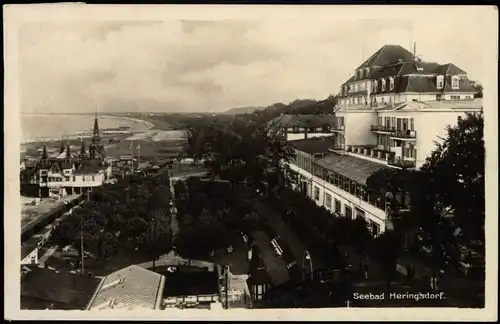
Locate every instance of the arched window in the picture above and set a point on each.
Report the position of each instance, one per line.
(383, 84)
(391, 83)
(375, 86)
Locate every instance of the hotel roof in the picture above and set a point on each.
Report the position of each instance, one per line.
(129, 288)
(388, 54)
(313, 145)
(354, 168)
(65, 288)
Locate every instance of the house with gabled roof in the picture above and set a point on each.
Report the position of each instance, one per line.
(294, 127)
(66, 173)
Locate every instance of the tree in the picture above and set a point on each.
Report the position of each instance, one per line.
(479, 89)
(386, 249)
(457, 168)
(360, 236)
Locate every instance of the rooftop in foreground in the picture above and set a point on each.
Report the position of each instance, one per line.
(354, 168)
(129, 288)
(187, 281)
(43, 288)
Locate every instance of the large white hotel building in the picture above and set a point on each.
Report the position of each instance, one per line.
(389, 115)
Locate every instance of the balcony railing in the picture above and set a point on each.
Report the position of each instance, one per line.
(338, 147)
(338, 128)
(371, 151)
(401, 162)
(380, 128)
(403, 133)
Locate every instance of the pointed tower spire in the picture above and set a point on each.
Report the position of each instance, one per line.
(45, 155)
(68, 152)
(96, 126)
(61, 150)
(82, 150)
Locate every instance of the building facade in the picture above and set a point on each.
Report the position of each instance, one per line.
(338, 182)
(295, 127)
(66, 174)
(392, 96)
(389, 115)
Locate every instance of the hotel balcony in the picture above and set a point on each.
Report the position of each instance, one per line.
(338, 128)
(401, 162)
(382, 129)
(404, 134)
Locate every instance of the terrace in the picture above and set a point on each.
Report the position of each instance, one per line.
(381, 155)
(372, 151)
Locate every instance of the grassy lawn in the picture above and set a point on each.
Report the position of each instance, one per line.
(149, 149)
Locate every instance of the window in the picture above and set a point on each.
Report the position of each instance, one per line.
(93, 178)
(383, 84)
(328, 201)
(356, 86)
(440, 82)
(379, 121)
(360, 213)
(348, 212)
(454, 82)
(338, 206)
(74, 178)
(375, 229)
(412, 124)
(367, 72)
(375, 86)
(391, 85)
(387, 121)
(393, 121)
(316, 193)
(67, 178)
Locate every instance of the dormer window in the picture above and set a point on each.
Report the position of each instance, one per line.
(440, 82)
(391, 83)
(383, 84)
(375, 85)
(454, 82)
(367, 72)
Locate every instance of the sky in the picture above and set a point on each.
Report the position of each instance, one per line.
(200, 65)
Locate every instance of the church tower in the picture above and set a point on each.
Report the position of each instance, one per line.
(96, 149)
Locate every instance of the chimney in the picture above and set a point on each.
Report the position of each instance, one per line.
(414, 50)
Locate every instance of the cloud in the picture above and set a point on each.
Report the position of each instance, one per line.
(215, 65)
